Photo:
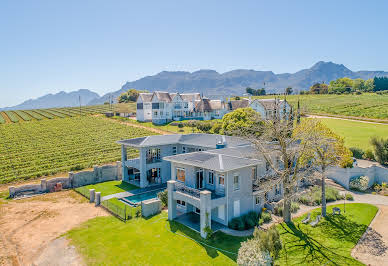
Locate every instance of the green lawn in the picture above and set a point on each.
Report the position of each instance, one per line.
(106, 240)
(331, 241)
(356, 134)
(111, 187)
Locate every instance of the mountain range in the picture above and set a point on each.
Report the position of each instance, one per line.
(210, 83)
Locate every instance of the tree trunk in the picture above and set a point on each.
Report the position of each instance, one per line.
(323, 195)
(287, 209)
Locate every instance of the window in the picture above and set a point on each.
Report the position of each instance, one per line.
(267, 166)
(155, 105)
(183, 149)
(139, 106)
(161, 105)
(153, 155)
(221, 180)
(174, 150)
(221, 212)
(236, 183)
(167, 113)
(186, 105)
(156, 113)
(198, 211)
(182, 203)
(161, 113)
(257, 200)
(236, 208)
(181, 174)
(254, 173)
(200, 180)
(211, 178)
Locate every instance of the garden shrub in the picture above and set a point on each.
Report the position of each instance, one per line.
(163, 196)
(368, 155)
(294, 207)
(314, 197)
(249, 222)
(357, 152)
(251, 253)
(237, 223)
(349, 196)
(359, 183)
(269, 240)
(266, 216)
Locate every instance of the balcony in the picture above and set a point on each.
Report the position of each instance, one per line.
(133, 163)
(153, 160)
(193, 192)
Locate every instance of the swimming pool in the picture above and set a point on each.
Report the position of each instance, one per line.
(137, 199)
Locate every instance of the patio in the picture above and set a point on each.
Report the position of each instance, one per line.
(192, 221)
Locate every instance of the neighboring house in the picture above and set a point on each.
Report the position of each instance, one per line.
(211, 178)
(163, 107)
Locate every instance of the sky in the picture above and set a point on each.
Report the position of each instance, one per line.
(50, 46)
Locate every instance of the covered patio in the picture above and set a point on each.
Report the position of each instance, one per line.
(192, 221)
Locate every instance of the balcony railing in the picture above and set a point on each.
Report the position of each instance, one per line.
(187, 190)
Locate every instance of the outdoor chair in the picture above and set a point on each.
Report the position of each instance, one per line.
(307, 219)
(316, 221)
(336, 210)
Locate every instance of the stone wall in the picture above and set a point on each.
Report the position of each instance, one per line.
(98, 174)
(342, 176)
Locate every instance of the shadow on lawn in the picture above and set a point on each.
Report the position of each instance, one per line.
(333, 227)
(218, 239)
(126, 186)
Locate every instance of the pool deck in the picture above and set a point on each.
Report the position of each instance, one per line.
(134, 192)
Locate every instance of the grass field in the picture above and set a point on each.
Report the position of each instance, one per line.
(356, 134)
(156, 241)
(111, 187)
(49, 146)
(367, 105)
(16, 116)
(330, 242)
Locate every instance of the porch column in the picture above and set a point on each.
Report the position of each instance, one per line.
(124, 168)
(143, 167)
(206, 211)
(171, 201)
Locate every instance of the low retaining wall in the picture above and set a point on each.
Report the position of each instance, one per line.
(150, 207)
(97, 175)
(342, 176)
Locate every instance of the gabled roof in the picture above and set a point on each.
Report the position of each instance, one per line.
(235, 104)
(207, 105)
(269, 104)
(145, 96)
(190, 96)
(162, 96)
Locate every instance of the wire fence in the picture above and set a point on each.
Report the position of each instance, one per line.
(122, 211)
(84, 191)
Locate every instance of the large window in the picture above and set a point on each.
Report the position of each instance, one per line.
(199, 181)
(181, 174)
(139, 106)
(236, 182)
(211, 178)
(155, 105)
(221, 180)
(153, 155)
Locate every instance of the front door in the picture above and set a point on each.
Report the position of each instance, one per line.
(199, 183)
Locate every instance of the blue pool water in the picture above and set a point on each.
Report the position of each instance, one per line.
(136, 199)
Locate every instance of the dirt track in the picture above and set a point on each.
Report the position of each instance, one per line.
(29, 228)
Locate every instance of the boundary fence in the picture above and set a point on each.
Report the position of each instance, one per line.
(83, 191)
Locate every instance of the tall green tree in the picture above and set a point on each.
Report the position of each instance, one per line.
(324, 149)
(380, 149)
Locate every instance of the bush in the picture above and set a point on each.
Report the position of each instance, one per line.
(266, 216)
(251, 253)
(180, 125)
(249, 222)
(368, 155)
(360, 183)
(269, 240)
(314, 197)
(380, 149)
(237, 223)
(349, 196)
(357, 152)
(163, 196)
(294, 207)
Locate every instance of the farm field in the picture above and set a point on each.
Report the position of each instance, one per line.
(356, 134)
(50, 146)
(16, 116)
(366, 105)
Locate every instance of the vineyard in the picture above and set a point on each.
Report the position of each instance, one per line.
(50, 146)
(366, 105)
(39, 114)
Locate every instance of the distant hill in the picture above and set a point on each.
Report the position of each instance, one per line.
(210, 83)
(234, 82)
(60, 99)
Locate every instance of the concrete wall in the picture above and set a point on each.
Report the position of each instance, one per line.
(342, 176)
(97, 175)
(150, 207)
